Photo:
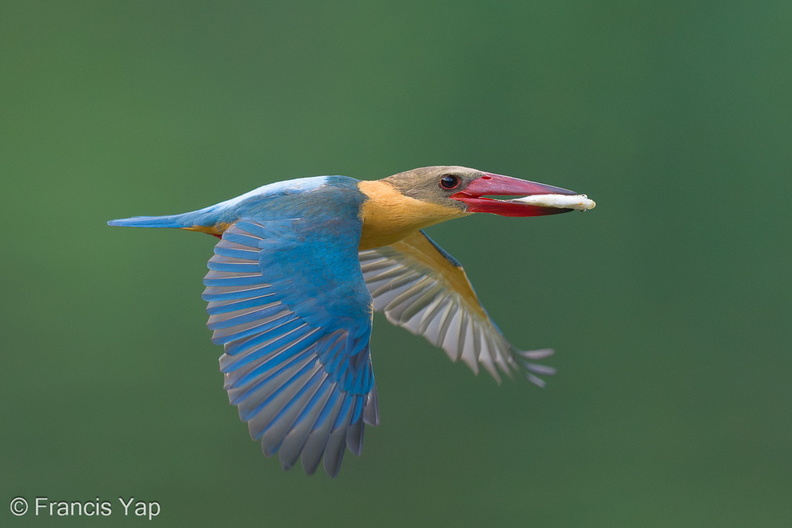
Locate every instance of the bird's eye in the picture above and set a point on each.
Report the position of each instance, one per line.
(449, 181)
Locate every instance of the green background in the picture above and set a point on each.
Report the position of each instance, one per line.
(668, 305)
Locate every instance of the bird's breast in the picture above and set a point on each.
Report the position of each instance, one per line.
(388, 216)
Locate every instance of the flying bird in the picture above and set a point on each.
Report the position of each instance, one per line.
(300, 267)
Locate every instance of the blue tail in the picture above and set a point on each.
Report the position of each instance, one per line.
(181, 220)
(206, 217)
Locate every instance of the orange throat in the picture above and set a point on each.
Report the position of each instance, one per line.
(389, 216)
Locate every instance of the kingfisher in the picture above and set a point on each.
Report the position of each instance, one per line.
(299, 269)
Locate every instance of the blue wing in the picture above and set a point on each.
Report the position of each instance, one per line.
(288, 301)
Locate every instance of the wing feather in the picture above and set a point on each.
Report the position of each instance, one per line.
(423, 289)
(296, 338)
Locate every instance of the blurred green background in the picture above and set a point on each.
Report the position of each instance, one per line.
(668, 305)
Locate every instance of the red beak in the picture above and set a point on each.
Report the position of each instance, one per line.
(498, 185)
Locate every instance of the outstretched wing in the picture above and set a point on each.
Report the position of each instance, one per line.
(288, 302)
(424, 289)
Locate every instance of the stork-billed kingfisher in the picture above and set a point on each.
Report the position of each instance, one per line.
(300, 268)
